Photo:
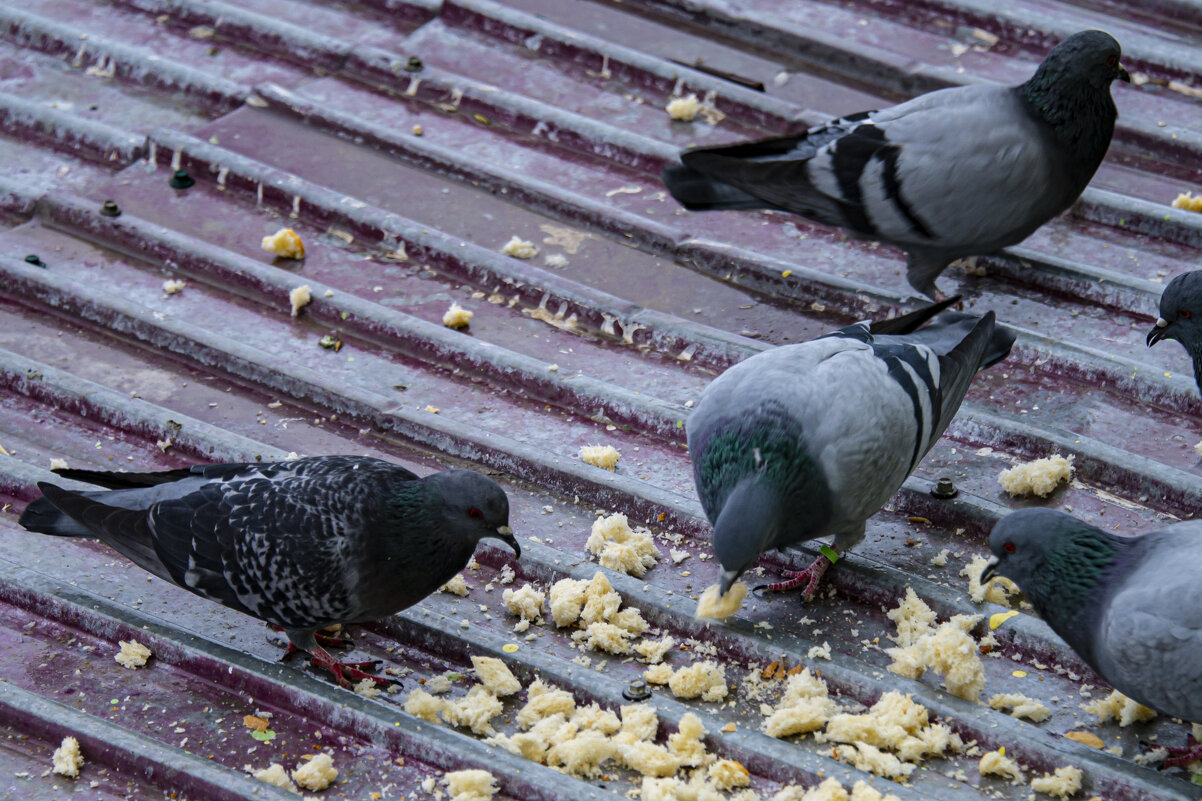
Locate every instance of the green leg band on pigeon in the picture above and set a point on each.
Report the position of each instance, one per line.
(829, 553)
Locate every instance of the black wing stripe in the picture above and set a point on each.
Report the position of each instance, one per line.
(893, 193)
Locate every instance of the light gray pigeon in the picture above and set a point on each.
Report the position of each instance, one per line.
(809, 440)
(1180, 304)
(1131, 607)
(956, 172)
(301, 545)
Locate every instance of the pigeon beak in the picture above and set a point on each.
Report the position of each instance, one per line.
(505, 533)
(1123, 75)
(990, 569)
(1158, 333)
(729, 577)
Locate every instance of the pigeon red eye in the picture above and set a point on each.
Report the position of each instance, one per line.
(1008, 547)
(1110, 62)
(476, 513)
(1183, 313)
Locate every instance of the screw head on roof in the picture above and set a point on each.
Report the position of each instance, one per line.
(33, 259)
(637, 690)
(110, 209)
(944, 488)
(414, 64)
(181, 180)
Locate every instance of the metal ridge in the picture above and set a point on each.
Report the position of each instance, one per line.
(91, 139)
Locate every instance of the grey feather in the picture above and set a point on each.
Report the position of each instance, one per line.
(952, 173)
(1131, 607)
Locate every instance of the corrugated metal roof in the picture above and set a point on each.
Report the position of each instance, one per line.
(542, 119)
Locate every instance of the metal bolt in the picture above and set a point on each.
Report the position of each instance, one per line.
(414, 64)
(181, 180)
(110, 209)
(637, 690)
(33, 259)
(944, 488)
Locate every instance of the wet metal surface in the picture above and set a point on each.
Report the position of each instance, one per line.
(407, 141)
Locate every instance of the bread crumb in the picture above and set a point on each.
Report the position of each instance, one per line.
(897, 724)
(648, 759)
(457, 317)
(1086, 738)
(316, 774)
(686, 743)
(276, 775)
(940, 559)
(556, 260)
(173, 286)
(659, 674)
(474, 710)
(820, 652)
(133, 654)
(470, 785)
(1119, 707)
(603, 456)
(496, 675)
(606, 637)
(1039, 477)
(520, 248)
(1063, 783)
(1188, 201)
(58, 464)
(619, 547)
(566, 601)
(1021, 706)
(67, 758)
(421, 704)
(713, 606)
(284, 243)
(871, 759)
(727, 774)
(438, 684)
(543, 701)
(684, 109)
(704, 680)
(913, 619)
(863, 791)
(947, 650)
(526, 602)
(999, 591)
(367, 688)
(995, 763)
(456, 586)
(654, 650)
(804, 707)
(300, 297)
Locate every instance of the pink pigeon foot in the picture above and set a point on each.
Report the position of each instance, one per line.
(795, 578)
(320, 657)
(1182, 754)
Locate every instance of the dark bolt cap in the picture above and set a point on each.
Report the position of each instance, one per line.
(181, 180)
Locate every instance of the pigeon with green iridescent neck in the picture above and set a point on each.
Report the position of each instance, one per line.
(301, 545)
(1181, 318)
(1131, 607)
(957, 172)
(810, 440)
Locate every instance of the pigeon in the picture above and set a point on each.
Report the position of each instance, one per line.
(1181, 299)
(952, 173)
(1131, 607)
(809, 440)
(300, 545)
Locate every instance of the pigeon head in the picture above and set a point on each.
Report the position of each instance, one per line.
(474, 506)
(1181, 314)
(1056, 560)
(751, 521)
(1087, 57)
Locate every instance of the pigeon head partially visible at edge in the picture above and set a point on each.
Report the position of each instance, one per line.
(1181, 316)
(473, 507)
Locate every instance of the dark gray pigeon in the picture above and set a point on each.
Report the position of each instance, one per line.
(301, 545)
(1181, 318)
(956, 172)
(809, 440)
(1131, 607)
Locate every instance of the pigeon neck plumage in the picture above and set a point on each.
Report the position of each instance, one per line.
(1080, 115)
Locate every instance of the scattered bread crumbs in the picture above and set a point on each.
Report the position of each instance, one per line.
(654, 650)
(525, 602)
(1021, 706)
(863, 791)
(58, 464)
(596, 605)
(996, 763)
(1188, 201)
(470, 785)
(603, 456)
(684, 109)
(133, 654)
(276, 775)
(1117, 706)
(457, 317)
(473, 711)
(804, 707)
(619, 547)
(820, 652)
(367, 688)
(67, 758)
(284, 243)
(713, 606)
(895, 726)
(1039, 477)
(300, 297)
(608, 637)
(173, 286)
(421, 704)
(316, 774)
(1085, 738)
(519, 248)
(948, 650)
(999, 591)
(1061, 784)
(871, 759)
(456, 586)
(704, 680)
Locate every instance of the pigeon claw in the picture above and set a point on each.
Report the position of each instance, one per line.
(810, 577)
(344, 672)
(1179, 755)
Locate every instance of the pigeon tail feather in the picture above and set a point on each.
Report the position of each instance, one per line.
(699, 192)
